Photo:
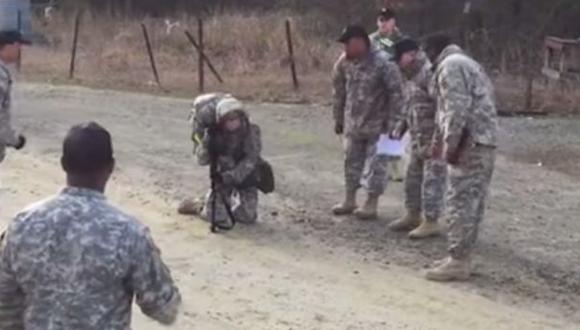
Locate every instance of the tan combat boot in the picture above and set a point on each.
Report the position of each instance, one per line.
(428, 228)
(406, 223)
(369, 210)
(450, 270)
(348, 206)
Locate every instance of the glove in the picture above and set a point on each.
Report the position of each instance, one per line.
(21, 142)
(339, 128)
(216, 178)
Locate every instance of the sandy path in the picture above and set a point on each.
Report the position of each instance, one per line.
(236, 282)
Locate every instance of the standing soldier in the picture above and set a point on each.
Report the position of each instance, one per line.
(425, 181)
(385, 39)
(467, 128)
(387, 35)
(367, 101)
(73, 261)
(10, 46)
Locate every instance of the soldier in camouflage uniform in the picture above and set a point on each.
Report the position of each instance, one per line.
(385, 39)
(467, 129)
(387, 35)
(237, 144)
(10, 46)
(425, 181)
(367, 101)
(73, 261)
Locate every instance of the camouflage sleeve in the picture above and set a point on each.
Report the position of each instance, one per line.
(252, 151)
(454, 105)
(11, 296)
(151, 281)
(339, 91)
(202, 151)
(396, 111)
(8, 136)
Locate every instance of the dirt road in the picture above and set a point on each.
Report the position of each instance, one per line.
(301, 268)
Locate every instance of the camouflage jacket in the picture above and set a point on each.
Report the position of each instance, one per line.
(368, 95)
(386, 44)
(421, 108)
(8, 137)
(465, 100)
(75, 262)
(237, 152)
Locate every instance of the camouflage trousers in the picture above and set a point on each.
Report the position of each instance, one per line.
(363, 167)
(425, 186)
(466, 198)
(243, 203)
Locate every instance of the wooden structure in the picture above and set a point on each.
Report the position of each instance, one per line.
(562, 59)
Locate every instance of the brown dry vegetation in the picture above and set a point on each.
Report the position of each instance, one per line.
(248, 49)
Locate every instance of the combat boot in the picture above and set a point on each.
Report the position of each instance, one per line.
(348, 206)
(428, 228)
(406, 223)
(450, 270)
(369, 210)
(191, 207)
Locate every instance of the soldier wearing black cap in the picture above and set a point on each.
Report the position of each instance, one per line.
(425, 179)
(387, 34)
(10, 47)
(384, 39)
(367, 102)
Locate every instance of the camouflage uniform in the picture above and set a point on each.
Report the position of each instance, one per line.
(367, 101)
(238, 154)
(425, 180)
(75, 262)
(387, 45)
(8, 138)
(467, 121)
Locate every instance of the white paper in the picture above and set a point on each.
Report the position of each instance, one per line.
(389, 147)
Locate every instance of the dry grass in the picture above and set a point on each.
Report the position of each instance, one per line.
(248, 49)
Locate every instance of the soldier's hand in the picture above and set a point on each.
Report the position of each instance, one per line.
(338, 128)
(398, 132)
(452, 157)
(21, 142)
(216, 178)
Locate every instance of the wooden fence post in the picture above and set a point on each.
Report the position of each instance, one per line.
(201, 73)
(291, 54)
(204, 56)
(77, 24)
(19, 26)
(151, 56)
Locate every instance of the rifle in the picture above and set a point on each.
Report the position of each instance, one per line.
(215, 189)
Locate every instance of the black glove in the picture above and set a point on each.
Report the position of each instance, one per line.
(217, 178)
(21, 142)
(339, 128)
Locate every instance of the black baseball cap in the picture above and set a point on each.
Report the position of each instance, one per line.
(387, 14)
(353, 31)
(403, 46)
(12, 37)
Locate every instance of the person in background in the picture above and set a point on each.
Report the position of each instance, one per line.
(10, 47)
(466, 139)
(367, 100)
(385, 39)
(73, 261)
(425, 182)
